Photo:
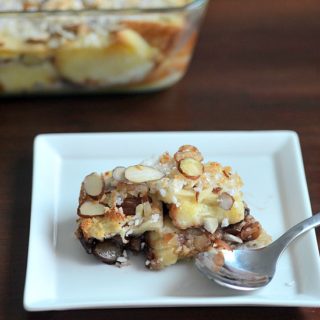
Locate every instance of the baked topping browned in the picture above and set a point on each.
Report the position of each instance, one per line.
(171, 208)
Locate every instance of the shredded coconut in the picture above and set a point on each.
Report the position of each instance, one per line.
(119, 201)
(155, 217)
(32, 5)
(137, 221)
(147, 262)
(225, 222)
(122, 259)
(129, 232)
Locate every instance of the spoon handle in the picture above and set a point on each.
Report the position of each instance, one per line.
(281, 243)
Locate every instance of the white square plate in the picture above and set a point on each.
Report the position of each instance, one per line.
(60, 275)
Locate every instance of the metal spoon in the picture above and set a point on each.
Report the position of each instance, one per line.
(250, 269)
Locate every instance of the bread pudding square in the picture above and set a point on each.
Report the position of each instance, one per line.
(170, 208)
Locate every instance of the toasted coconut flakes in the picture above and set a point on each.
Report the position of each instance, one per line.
(131, 222)
(225, 222)
(129, 232)
(174, 200)
(137, 221)
(120, 210)
(155, 217)
(151, 162)
(217, 176)
(207, 176)
(122, 259)
(119, 200)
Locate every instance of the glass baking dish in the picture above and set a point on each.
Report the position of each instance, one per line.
(97, 49)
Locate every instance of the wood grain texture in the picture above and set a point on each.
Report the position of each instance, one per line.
(256, 67)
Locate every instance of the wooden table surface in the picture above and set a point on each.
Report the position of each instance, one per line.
(256, 67)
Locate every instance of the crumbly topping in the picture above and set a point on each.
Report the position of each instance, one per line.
(172, 207)
(48, 51)
(40, 36)
(136, 199)
(33, 5)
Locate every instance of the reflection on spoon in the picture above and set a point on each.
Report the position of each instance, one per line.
(250, 269)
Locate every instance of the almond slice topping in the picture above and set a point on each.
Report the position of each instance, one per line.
(140, 173)
(188, 151)
(191, 168)
(93, 184)
(91, 209)
(118, 173)
(225, 201)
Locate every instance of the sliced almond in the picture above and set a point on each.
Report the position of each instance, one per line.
(226, 201)
(107, 179)
(118, 173)
(188, 151)
(93, 184)
(210, 224)
(231, 238)
(147, 209)
(91, 209)
(140, 173)
(191, 168)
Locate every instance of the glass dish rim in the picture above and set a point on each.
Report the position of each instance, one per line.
(122, 11)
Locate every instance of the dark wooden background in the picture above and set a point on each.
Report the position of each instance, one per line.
(256, 67)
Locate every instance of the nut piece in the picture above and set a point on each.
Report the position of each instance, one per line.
(91, 209)
(225, 201)
(93, 184)
(118, 173)
(140, 173)
(188, 151)
(191, 168)
(210, 224)
(231, 238)
(251, 231)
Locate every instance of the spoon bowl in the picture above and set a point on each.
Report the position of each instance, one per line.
(250, 269)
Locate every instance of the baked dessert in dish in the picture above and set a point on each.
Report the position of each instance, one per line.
(95, 45)
(170, 208)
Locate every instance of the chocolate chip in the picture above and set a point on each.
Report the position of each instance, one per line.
(129, 205)
(108, 251)
(88, 244)
(134, 244)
